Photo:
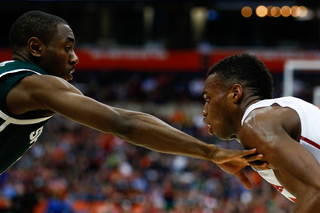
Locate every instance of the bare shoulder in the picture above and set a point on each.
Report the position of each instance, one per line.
(32, 92)
(264, 125)
(272, 116)
(45, 83)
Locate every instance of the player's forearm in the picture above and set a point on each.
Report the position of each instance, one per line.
(152, 133)
(135, 127)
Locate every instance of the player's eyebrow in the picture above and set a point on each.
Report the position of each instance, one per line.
(71, 39)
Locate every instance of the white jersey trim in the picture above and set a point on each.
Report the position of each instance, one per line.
(10, 120)
(260, 104)
(19, 70)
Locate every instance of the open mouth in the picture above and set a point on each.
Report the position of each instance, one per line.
(72, 70)
(209, 126)
(205, 121)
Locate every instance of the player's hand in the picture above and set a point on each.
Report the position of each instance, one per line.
(233, 162)
(259, 165)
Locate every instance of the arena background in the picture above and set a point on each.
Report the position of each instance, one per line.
(153, 57)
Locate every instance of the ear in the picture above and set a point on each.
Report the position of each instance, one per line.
(237, 92)
(35, 47)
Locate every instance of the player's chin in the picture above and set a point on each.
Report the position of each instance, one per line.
(223, 137)
(210, 132)
(209, 129)
(69, 77)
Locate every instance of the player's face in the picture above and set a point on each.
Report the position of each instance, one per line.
(58, 57)
(216, 110)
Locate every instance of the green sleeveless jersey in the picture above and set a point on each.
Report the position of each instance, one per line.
(17, 134)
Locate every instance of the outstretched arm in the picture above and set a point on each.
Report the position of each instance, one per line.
(298, 171)
(54, 94)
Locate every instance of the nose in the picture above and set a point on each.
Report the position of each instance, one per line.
(204, 113)
(74, 58)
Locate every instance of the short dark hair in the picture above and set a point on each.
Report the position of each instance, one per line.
(34, 24)
(246, 70)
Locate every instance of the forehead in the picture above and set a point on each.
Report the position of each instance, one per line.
(211, 84)
(64, 32)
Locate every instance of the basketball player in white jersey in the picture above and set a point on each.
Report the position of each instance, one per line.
(239, 105)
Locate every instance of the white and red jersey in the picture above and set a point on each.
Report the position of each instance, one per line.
(310, 134)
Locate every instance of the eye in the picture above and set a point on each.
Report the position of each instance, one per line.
(207, 100)
(68, 48)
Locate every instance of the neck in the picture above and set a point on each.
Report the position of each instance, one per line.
(247, 101)
(21, 56)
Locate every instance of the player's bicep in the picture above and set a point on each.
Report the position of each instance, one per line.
(57, 95)
(297, 170)
(84, 110)
(290, 161)
(30, 92)
(255, 134)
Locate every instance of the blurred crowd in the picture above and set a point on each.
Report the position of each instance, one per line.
(72, 163)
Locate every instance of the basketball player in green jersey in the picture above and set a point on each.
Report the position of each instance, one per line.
(34, 86)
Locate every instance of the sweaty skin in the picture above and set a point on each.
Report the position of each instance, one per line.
(274, 131)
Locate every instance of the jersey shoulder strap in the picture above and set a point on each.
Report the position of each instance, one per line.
(10, 73)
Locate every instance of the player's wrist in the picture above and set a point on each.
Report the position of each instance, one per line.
(212, 153)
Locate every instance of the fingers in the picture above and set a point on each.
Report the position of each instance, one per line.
(248, 152)
(230, 154)
(253, 157)
(255, 161)
(244, 154)
(244, 180)
(259, 165)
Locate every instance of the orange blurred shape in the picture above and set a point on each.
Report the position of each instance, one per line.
(246, 12)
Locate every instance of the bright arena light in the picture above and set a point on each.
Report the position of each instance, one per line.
(246, 12)
(285, 11)
(295, 11)
(304, 11)
(269, 10)
(275, 12)
(299, 12)
(261, 11)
